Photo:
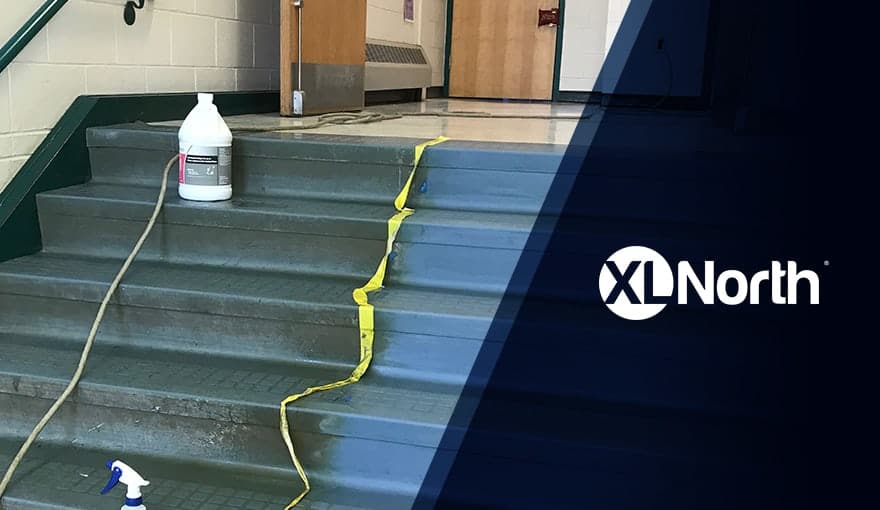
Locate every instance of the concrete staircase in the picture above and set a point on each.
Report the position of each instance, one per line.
(232, 306)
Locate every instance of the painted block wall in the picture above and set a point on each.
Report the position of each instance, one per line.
(663, 45)
(676, 70)
(584, 39)
(385, 23)
(13, 14)
(589, 31)
(175, 46)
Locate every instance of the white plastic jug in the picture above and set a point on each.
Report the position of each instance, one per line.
(205, 154)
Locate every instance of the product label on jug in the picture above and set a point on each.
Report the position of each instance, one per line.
(206, 166)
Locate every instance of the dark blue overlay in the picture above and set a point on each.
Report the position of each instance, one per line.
(701, 407)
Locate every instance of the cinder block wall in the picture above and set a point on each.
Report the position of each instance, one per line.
(589, 31)
(175, 46)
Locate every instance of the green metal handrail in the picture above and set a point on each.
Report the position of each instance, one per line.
(28, 31)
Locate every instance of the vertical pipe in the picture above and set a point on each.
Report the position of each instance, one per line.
(298, 91)
(299, 46)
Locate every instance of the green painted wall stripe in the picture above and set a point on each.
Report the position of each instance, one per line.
(446, 65)
(28, 31)
(557, 64)
(63, 158)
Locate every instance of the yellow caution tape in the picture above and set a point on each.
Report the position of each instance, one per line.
(365, 318)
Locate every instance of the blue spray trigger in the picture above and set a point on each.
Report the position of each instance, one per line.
(114, 478)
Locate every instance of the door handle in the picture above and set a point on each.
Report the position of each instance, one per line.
(548, 17)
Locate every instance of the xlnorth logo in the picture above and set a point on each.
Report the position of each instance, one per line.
(637, 283)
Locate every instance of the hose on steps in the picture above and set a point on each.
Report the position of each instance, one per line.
(90, 341)
(333, 118)
(369, 117)
(326, 120)
(360, 296)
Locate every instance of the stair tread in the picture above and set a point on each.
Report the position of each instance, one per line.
(280, 213)
(301, 215)
(224, 291)
(143, 383)
(242, 391)
(503, 156)
(69, 477)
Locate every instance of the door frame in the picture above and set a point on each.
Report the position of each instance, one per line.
(557, 64)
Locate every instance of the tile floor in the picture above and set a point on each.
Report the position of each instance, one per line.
(514, 122)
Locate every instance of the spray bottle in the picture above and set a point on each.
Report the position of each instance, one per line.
(205, 154)
(121, 472)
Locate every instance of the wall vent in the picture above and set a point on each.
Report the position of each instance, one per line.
(393, 66)
(386, 54)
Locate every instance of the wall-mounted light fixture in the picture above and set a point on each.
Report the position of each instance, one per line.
(130, 14)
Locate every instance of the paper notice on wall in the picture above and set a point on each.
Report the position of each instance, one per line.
(409, 10)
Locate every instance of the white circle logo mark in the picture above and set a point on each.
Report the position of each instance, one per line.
(636, 283)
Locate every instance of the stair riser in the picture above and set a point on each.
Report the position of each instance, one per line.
(443, 266)
(353, 149)
(482, 190)
(427, 254)
(608, 196)
(650, 184)
(217, 439)
(641, 186)
(362, 182)
(363, 222)
(407, 358)
(230, 248)
(258, 176)
(388, 318)
(649, 362)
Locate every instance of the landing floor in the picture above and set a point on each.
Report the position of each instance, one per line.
(542, 123)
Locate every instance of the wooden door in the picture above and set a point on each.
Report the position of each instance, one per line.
(498, 50)
(334, 54)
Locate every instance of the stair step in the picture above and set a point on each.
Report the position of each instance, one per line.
(461, 175)
(332, 218)
(217, 443)
(617, 441)
(67, 477)
(463, 250)
(225, 414)
(246, 393)
(450, 249)
(403, 357)
(255, 294)
(678, 360)
(635, 184)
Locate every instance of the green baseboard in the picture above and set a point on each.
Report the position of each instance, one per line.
(63, 157)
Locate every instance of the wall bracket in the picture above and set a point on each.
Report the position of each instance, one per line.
(130, 14)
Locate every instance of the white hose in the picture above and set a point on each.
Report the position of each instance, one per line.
(87, 349)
